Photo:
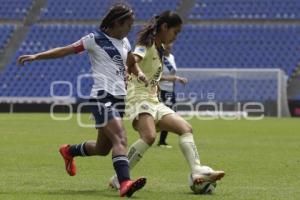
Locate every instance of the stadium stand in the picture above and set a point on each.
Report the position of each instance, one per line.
(14, 9)
(239, 46)
(237, 9)
(6, 33)
(95, 9)
(229, 88)
(35, 81)
(74, 9)
(219, 47)
(145, 9)
(200, 45)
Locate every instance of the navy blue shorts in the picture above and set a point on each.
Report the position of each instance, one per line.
(168, 98)
(106, 107)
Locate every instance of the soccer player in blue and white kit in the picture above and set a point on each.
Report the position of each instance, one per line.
(109, 50)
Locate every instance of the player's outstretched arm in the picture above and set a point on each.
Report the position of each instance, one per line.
(50, 54)
(182, 80)
(173, 78)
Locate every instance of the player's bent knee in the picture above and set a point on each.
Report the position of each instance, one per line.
(190, 129)
(123, 142)
(187, 129)
(149, 139)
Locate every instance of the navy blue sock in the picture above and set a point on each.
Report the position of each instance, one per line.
(121, 165)
(163, 137)
(78, 150)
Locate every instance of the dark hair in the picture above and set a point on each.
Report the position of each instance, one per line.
(147, 35)
(119, 12)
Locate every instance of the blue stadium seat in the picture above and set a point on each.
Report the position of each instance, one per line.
(95, 9)
(217, 46)
(146, 9)
(14, 9)
(6, 33)
(35, 78)
(239, 46)
(254, 9)
(74, 9)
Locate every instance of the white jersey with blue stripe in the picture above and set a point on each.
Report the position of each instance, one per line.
(107, 75)
(168, 70)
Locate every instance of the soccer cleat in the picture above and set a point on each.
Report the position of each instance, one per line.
(69, 159)
(114, 183)
(206, 174)
(129, 187)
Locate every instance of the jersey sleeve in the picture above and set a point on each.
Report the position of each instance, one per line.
(140, 51)
(127, 44)
(173, 61)
(84, 43)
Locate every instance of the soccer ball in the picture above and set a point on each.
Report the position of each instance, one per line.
(202, 188)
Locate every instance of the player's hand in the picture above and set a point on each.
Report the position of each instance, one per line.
(182, 80)
(127, 79)
(142, 77)
(26, 58)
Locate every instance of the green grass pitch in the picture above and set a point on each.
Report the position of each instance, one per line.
(261, 159)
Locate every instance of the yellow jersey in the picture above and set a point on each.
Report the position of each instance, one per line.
(152, 67)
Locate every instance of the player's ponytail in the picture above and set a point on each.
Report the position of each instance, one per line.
(148, 33)
(117, 13)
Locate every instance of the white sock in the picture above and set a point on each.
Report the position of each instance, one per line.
(136, 152)
(189, 150)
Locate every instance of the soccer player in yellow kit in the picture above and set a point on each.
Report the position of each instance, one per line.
(142, 104)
